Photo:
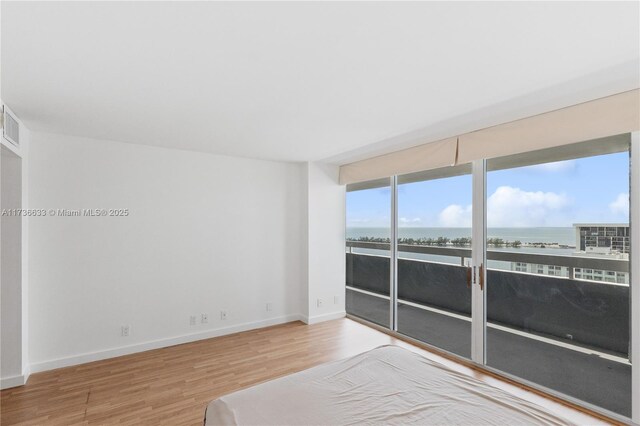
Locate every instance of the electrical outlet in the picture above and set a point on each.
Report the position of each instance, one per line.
(223, 315)
(192, 320)
(269, 307)
(204, 318)
(319, 303)
(336, 300)
(125, 330)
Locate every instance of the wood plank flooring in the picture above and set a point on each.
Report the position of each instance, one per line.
(173, 385)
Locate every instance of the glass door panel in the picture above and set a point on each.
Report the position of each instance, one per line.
(558, 252)
(368, 233)
(434, 248)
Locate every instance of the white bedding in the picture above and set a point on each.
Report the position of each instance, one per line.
(387, 385)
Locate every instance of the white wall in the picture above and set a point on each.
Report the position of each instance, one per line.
(205, 233)
(326, 234)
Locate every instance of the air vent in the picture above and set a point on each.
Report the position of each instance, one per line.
(11, 129)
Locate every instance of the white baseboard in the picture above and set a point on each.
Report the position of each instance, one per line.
(324, 317)
(13, 381)
(157, 344)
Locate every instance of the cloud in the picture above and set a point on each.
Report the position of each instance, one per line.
(620, 206)
(513, 207)
(403, 221)
(455, 216)
(557, 167)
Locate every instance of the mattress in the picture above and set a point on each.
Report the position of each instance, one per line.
(388, 385)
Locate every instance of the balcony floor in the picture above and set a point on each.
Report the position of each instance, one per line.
(588, 377)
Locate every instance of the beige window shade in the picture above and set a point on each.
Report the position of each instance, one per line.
(423, 157)
(613, 115)
(600, 118)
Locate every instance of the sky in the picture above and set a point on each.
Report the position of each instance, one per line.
(593, 189)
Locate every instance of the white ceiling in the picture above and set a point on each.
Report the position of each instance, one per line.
(305, 81)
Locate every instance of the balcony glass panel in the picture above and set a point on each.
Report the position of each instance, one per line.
(367, 253)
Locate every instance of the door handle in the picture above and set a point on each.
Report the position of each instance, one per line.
(481, 278)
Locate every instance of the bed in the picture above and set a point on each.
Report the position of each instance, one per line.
(387, 385)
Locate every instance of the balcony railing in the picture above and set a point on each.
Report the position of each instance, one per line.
(570, 262)
(591, 313)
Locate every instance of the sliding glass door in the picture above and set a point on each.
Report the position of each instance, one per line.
(434, 251)
(558, 249)
(523, 264)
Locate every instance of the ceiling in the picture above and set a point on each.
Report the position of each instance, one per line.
(306, 81)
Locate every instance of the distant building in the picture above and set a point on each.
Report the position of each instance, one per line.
(534, 268)
(609, 240)
(602, 240)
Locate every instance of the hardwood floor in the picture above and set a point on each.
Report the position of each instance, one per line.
(173, 385)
